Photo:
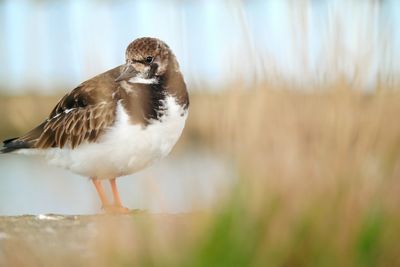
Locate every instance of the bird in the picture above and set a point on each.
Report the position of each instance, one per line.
(116, 123)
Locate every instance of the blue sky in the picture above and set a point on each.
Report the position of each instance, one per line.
(50, 45)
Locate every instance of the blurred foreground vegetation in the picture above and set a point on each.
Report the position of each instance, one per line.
(319, 183)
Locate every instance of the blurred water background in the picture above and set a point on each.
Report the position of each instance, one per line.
(54, 45)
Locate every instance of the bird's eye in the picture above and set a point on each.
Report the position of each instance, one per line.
(149, 59)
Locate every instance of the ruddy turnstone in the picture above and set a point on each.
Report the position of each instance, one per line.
(116, 123)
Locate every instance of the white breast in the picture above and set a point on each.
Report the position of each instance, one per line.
(124, 148)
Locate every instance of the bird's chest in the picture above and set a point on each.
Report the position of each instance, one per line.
(138, 146)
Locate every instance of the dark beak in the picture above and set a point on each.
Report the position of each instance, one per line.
(127, 73)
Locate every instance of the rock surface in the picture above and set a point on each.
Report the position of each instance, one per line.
(58, 240)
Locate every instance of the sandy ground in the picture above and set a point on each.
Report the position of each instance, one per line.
(58, 240)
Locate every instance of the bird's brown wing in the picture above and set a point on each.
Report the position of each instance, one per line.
(76, 125)
(81, 115)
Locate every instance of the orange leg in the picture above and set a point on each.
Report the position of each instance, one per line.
(100, 192)
(117, 199)
(112, 208)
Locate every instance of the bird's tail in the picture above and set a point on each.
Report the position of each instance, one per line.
(27, 140)
(13, 144)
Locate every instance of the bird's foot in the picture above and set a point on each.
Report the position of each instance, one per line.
(115, 209)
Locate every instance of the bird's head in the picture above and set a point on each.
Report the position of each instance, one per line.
(147, 59)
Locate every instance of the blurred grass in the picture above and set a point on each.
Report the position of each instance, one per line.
(319, 181)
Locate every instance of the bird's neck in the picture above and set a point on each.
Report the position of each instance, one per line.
(173, 84)
(145, 101)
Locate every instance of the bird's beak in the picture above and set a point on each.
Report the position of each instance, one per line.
(127, 72)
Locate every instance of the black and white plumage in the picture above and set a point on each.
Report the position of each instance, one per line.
(118, 122)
